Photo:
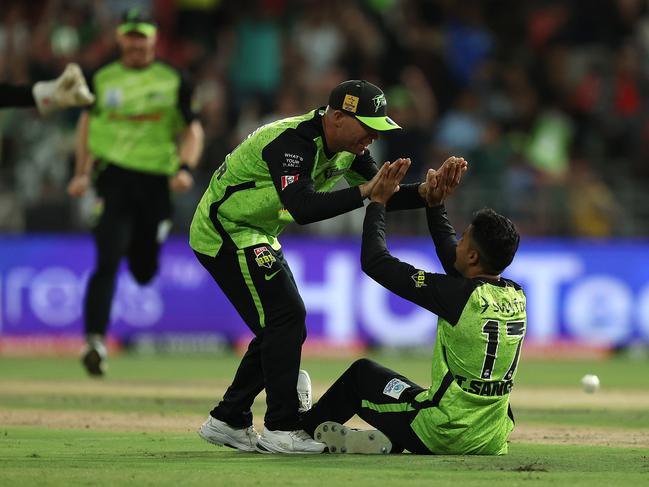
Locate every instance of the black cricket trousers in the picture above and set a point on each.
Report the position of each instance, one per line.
(258, 282)
(137, 206)
(380, 396)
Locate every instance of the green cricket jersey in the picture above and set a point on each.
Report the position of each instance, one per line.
(282, 172)
(137, 116)
(480, 332)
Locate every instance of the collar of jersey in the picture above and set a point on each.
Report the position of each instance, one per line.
(318, 119)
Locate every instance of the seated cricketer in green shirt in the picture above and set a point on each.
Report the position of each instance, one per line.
(480, 331)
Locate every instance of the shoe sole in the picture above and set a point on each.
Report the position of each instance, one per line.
(269, 450)
(261, 449)
(341, 439)
(92, 362)
(213, 441)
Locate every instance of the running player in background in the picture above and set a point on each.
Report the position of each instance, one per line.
(68, 90)
(142, 137)
(480, 331)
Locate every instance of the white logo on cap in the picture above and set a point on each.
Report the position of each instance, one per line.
(379, 101)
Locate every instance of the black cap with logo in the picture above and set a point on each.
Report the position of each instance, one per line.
(365, 101)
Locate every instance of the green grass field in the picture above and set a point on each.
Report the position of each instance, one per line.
(137, 426)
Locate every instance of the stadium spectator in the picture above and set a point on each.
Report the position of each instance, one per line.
(546, 68)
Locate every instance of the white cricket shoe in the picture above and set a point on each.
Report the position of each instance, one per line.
(68, 90)
(220, 433)
(304, 391)
(341, 439)
(298, 442)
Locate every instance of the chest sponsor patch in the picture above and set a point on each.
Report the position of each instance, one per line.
(395, 387)
(286, 180)
(113, 97)
(420, 279)
(263, 257)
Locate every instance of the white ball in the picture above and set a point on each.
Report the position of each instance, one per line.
(590, 383)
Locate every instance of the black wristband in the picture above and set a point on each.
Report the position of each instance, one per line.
(185, 167)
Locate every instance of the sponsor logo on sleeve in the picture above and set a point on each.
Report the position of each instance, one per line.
(395, 387)
(286, 180)
(350, 103)
(263, 257)
(292, 160)
(420, 279)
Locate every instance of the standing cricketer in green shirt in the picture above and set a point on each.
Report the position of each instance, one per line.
(143, 138)
(480, 332)
(283, 172)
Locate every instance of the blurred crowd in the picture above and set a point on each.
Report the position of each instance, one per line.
(546, 99)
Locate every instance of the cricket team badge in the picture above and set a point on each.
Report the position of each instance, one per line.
(379, 101)
(286, 180)
(263, 257)
(420, 279)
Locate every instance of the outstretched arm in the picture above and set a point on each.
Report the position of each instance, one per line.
(68, 90)
(290, 160)
(364, 169)
(440, 184)
(16, 96)
(444, 295)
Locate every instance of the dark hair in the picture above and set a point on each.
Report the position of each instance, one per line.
(496, 238)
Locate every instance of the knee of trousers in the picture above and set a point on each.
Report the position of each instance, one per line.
(292, 321)
(143, 274)
(106, 270)
(360, 366)
(292, 313)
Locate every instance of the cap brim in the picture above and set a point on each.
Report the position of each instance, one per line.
(140, 27)
(382, 124)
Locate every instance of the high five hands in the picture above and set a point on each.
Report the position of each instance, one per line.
(388, 179)
(439, 183)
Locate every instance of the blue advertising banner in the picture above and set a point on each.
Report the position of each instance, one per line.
(595, 293)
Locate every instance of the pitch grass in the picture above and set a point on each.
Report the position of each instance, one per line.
(31, 456)
(37, 456)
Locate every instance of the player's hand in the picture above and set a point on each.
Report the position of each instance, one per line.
(441, 175)
(78, 186)
(441, 183)
(68, 90)
(366, 188)
(388, 182)
(181, 182)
